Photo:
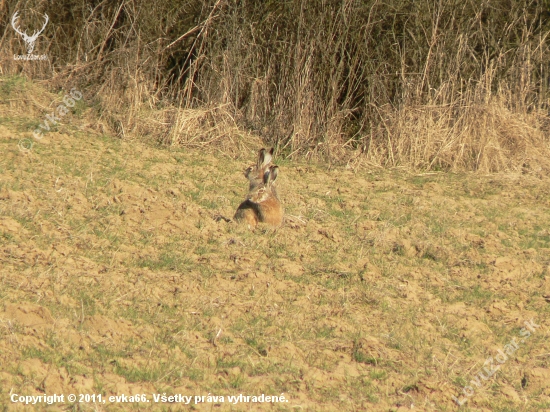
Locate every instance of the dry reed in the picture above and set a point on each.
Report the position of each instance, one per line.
(444, 85)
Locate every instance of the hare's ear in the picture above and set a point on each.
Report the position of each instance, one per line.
(264, 158)
(248, 171)
(261, 157)
(266, 176)
(268, 157)
(273, 172)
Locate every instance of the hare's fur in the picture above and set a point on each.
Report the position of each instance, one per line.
(262, 203)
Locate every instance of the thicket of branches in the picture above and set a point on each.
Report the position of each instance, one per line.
(427, 84)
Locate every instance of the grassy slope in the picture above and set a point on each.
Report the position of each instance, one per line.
(383, 289)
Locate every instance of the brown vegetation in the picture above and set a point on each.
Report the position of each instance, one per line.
(445, 85)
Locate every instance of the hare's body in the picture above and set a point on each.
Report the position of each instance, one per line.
(270, 211)
(248, 212)
(262, 203)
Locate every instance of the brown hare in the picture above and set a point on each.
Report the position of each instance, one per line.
(262, 203)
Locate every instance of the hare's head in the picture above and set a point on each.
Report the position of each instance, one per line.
(255, 174)
(265, 189)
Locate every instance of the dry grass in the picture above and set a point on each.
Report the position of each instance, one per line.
(486, 136)
(450, 85)
(383, 290)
